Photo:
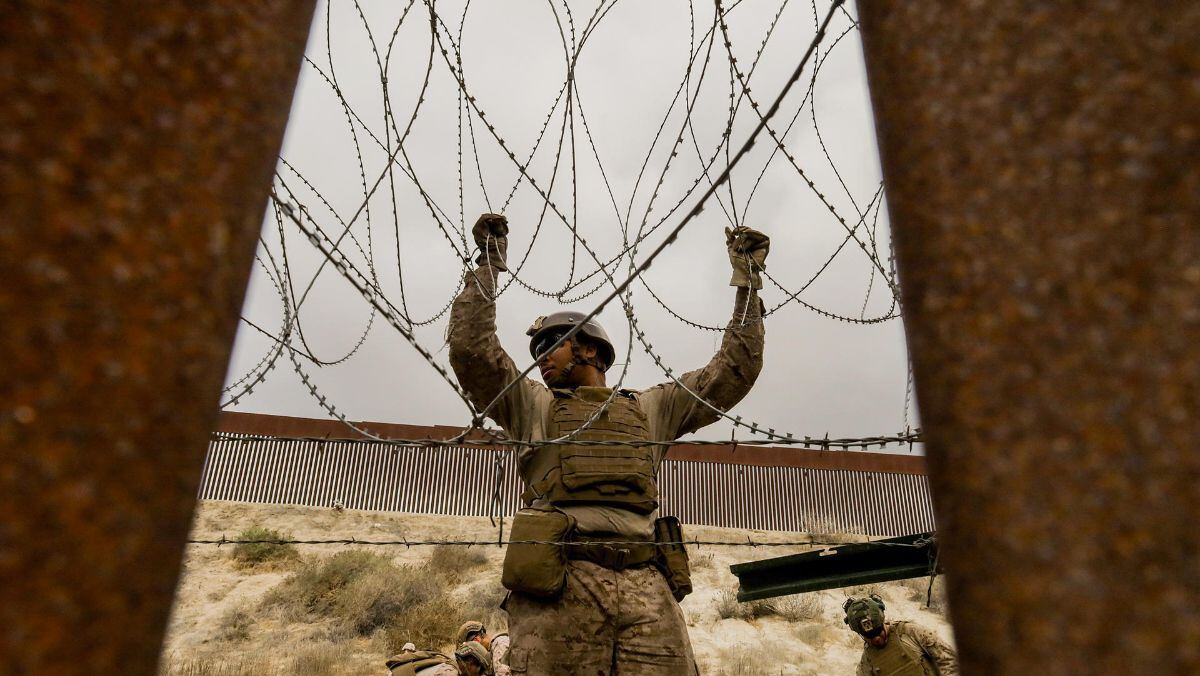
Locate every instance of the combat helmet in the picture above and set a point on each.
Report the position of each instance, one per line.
(469, 630)
(563, 321)
(864, 615)
(472, 650)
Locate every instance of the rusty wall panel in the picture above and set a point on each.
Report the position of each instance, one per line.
(137, 141)
(1044, 188)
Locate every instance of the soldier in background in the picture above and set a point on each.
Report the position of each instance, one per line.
(590, 606)
(497, 646)
(896, 648)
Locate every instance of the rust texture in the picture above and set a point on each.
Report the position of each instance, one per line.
(1042, 176)
(288, 427)
(137, 142)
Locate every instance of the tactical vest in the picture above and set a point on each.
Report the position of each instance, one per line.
(410, 664)
(902, 656)
(618, 475)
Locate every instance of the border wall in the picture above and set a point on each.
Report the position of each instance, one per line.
(319, 463)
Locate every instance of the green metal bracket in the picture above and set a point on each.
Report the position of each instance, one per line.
(896, 558)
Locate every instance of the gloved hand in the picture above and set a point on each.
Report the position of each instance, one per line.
(491, 236)
(748, 256)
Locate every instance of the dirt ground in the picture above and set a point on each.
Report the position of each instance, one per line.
(218, 625)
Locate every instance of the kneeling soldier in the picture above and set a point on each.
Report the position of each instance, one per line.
(473, 659)
(590, 606)
(496, 645)
(896, 648)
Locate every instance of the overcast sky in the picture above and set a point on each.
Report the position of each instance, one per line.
(821, 375)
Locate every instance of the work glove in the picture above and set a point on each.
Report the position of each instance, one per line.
(748, 256)
(491, 236)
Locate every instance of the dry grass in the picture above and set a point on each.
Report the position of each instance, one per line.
(798, 608)
(259, 555)
(360, 591)
(918, 590)
(743, 661)
(235, 624)
(698, 561)
(329, 616)
(246, 666)
(368, 595)
(327, 659)
(728, 607)
(455, 562)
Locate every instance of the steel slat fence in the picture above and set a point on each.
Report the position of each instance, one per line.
(462, 481)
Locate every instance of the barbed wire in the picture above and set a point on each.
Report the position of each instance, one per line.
(288, 206)
(499, 439)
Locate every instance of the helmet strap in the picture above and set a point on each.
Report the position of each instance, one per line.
(578, 358)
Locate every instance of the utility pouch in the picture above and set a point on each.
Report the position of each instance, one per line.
(538, 569)
(672, 559)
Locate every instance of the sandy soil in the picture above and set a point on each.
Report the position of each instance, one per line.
(213, 589)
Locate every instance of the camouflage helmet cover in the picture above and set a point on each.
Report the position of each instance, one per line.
(474, 651)
(568, 319)
(469, 630)
(864, 615)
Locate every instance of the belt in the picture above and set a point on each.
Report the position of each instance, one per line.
(611, 556)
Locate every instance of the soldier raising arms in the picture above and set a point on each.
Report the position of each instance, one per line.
(592, 607)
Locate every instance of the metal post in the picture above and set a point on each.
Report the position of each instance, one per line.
(1044, 188)
(137, 142)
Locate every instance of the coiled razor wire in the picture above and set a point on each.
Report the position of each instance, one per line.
(289, 209)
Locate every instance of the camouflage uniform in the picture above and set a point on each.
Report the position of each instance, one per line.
(606, 621)
(911, 650)
(500, 647)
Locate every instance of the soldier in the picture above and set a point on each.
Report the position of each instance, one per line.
(896, 648)
(591, 607)
(497, 646)
(473, 659)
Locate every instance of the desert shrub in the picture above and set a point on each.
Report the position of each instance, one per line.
(429, 625)
(482, 602)
(235, 624)
(798, 608)
(361, 591)
(790, 608)
(728, 607)
(451, 561)
(698, 561)
(918, 590)
(252, 555)
(365, 594)
(432, 623)
(867, 590)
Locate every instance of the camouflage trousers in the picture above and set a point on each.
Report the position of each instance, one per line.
(606, 622)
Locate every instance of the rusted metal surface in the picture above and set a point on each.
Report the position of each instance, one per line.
(262, 424)
(1042, 176)
(370, 475)
(137, 142)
